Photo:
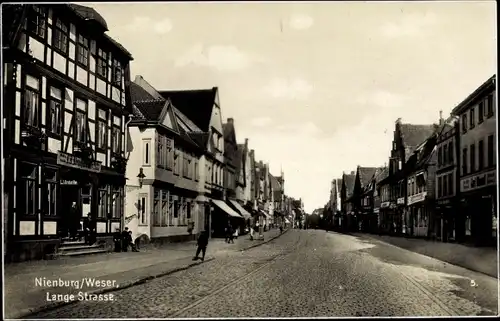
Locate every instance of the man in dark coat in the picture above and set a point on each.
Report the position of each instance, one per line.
(202, 246)
(125, 239)
(88, 229)
(117, 238)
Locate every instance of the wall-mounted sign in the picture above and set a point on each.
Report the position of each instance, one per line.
(416, 198)
(401, 201)
(67, 182)
(76, 162)
(478, 181)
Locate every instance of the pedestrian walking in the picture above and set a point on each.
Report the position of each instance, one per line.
(131, 242)
(281, 229)
(117, 238)
(202, 246)
(229, 232)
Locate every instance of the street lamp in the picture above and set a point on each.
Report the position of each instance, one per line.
(141, 176)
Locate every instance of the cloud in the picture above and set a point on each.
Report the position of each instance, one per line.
(409, 25)
(224, 58)
(295, 88)
(382, 98)
(261, 121)
(301, 22)
(144, 24)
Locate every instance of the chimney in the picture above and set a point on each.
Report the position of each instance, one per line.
(441, 120)
(398, 121)
(246, 142)
(230, 120)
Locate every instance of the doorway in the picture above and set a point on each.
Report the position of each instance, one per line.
(71, 210)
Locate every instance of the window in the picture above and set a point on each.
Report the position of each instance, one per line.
(161, 152)
(102, 64)
(464, 123)
(117, 73)
(82, 53)
(31, 102)
(480, 152)
(491, 151)
(185, 165)
(451, 158)
(142, 210)
(440, 156)
(176, 209)
(146, 152)
(445, 186)
(472, 158)
(451, 188)
(196, 170)
(54, 111)
(164, 207)
(26, 189)
(50, 191)
(177, 161)
(171, 210)
(464, 161)
(471, 118)
(37, 23)
(116, 143)
(116, 203)
(440, 186)
(156, 208)
(170, 153)
(188, 210)
(480, 112)
(103, 204)
(60, 40)
(489, 106)
(102, 129)
(80, 127)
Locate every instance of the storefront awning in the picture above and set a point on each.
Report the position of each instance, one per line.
(265, 214)
(287, 221)
(241, 209)
(225, 208)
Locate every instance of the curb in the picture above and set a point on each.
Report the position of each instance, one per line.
(25, 313)
(432, 257)
(262, 243)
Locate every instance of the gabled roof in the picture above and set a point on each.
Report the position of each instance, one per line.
(349, 180)
(150, 109)
(200, 138)
(197, 105)
(366, 174)
(275, 185)
(488, 86)
(382, 173)
(413, 135)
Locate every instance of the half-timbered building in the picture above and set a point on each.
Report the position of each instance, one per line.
(66, 105)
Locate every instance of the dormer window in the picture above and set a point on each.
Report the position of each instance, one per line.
(38, 22)
(102, 64)
(60, 40)
(117, 73)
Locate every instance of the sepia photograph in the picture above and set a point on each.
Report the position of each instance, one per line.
(240, 159)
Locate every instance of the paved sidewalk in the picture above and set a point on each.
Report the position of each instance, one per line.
(477, 259)
(23, 296)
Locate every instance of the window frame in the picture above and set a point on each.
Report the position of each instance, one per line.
(62, 30)
(116, 70)
(102, 196)
(100, 120)
(37, 92)
(465, 161)
(472, 156)
(490, 108)
(165, 208)
(480, 154)
(36, 15)
(82, 45)
(156, 208)
(472, 118)
(146, 152)
(22, 188)
(142, 209)
(85, 128)
(101, 60)
(480, 112)
(119, 199)
(464, 123)
(48, 111)
(491, 151)
(116, 140)
(50, 190)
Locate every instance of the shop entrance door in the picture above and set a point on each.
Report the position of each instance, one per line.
(71, 210)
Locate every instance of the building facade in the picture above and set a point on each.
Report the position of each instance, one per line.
(347, 201)
(66, 104)
(478, 187)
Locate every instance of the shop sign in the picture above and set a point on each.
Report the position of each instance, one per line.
(401, 201)
(478, 181)
(416, 198)
(384, 204)
(76, 162)
(68, 182)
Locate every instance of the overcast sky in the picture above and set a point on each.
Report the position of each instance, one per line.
(315, 87)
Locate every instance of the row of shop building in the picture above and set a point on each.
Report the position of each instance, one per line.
(81, 139)
(440, 182)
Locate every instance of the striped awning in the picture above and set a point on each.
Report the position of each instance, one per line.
(225, 208)
(240, 209)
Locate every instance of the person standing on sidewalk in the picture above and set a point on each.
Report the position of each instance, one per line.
(202, 246)
(117, 238)
(125, 240)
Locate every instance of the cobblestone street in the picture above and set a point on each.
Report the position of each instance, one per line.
(304, 273)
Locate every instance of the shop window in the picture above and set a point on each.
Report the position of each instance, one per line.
(102, 204)
(26, 189)
(156, 208)
(31, 102)
(50, 191)
(164, 208)
(102, 129)
(116, 203)
(54, 112)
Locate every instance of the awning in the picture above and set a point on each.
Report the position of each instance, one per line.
(265, 214)
(241, 209)
(224, 207)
